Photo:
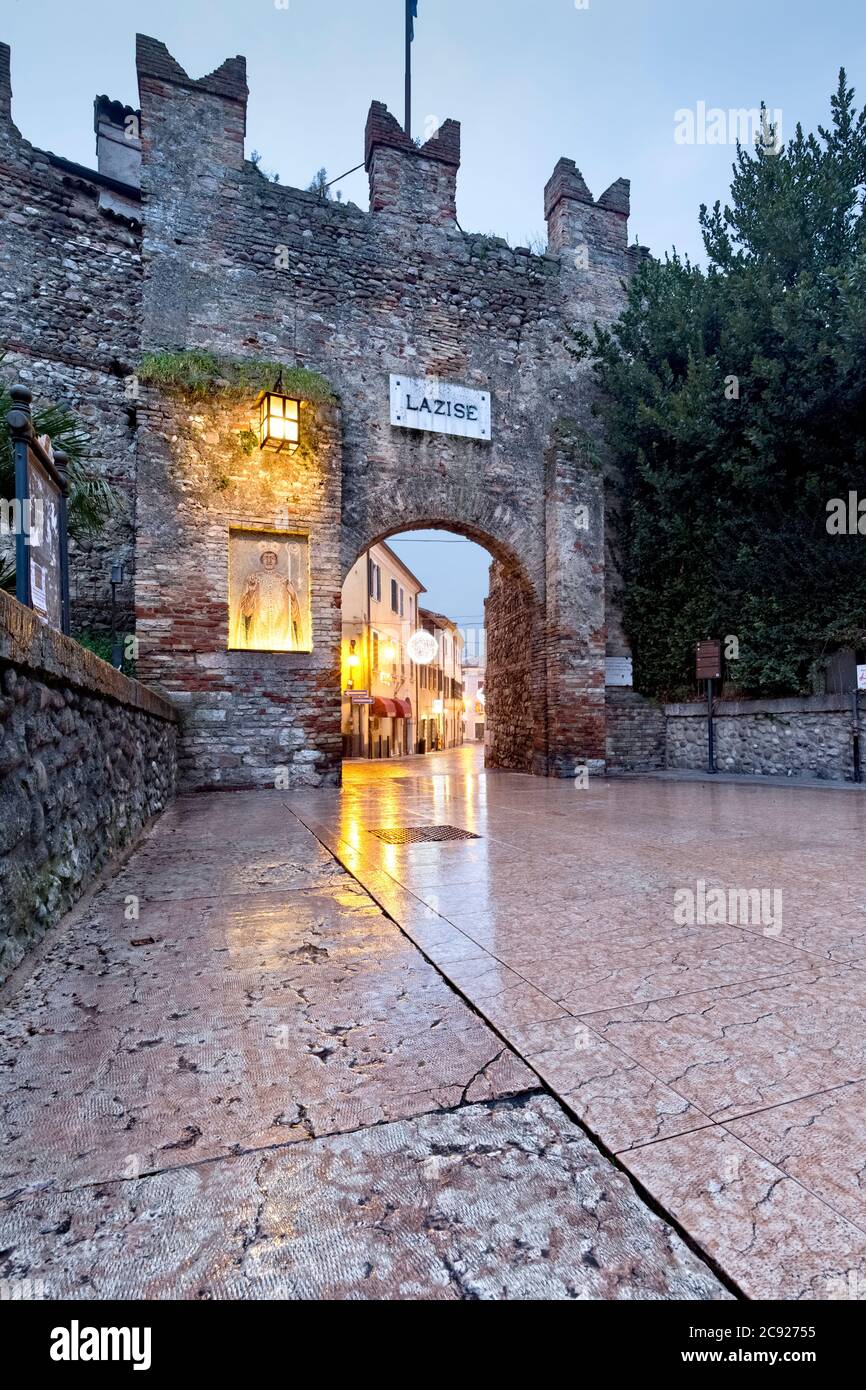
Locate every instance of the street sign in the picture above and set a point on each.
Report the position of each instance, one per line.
(708, 667)
(618, 671)
(41, 490)
(426, 403)
(708, 661)
(861, 677)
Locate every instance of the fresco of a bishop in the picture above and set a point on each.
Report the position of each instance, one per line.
(267, 614)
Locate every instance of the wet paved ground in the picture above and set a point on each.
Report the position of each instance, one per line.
(229, 1075)
(723, 1063)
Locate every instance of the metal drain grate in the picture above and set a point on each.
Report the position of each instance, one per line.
(416, 834)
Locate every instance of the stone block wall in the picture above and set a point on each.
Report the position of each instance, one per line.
(87, 758)
(230, 262)
(635, 731)
(516, 726)
(808, 737)
(575, 632)
(247, 718)
(69, 328)
(245, 268)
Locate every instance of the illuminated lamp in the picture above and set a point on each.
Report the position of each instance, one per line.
(279, 422)
(422, 647)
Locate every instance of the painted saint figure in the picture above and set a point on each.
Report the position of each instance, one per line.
(268, 611)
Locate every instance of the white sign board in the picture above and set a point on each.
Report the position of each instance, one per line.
(426, 403)
(618, 670)
(861, 677)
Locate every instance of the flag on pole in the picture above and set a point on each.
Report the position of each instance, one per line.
(412, 15)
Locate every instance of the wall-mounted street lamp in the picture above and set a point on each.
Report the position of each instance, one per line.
(279, 422)
(116, 643)
(353, 661)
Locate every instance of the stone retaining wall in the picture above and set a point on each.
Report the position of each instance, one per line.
(87, 757)
(808, 737)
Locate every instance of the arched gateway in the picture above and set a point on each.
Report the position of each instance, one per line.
(457, 403)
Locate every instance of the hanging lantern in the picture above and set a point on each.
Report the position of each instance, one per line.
(279, 422)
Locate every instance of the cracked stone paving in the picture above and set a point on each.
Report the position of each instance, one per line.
(229, 1075)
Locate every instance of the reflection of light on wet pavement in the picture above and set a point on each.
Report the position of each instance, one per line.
(681, 1047)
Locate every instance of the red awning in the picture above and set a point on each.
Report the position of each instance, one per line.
(383, 708)
(404, 709)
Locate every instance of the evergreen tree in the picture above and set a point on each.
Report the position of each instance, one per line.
(734, 400)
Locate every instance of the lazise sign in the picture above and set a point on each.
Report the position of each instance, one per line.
(426, 403)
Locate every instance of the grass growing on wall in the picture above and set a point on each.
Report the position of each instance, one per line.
(201, 375)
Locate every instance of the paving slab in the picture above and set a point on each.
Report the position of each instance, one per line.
(503, 1200)
(687, 1047)
(230, 1075)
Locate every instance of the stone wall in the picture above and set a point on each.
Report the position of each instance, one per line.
(574, 631)
(247, 718)
(69, 327)
(635, 731)
(245, 268)
(231, 262)
(514, 725)
(87, 757)
(808, 737)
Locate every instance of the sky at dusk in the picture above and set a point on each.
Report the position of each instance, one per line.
(529, 81)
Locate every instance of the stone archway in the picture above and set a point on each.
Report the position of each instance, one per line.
(541, 517)
(515, 679)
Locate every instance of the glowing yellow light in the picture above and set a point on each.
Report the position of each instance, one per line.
(279, 422)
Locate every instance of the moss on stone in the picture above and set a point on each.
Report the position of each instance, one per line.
(201, 374)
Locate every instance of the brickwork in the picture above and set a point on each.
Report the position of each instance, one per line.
(248, 718)
(512, 712)
(635, 731)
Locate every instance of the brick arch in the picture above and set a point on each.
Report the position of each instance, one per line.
(503, 529)
(515, 682)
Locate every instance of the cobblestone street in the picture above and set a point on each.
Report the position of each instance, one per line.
(229, 1075)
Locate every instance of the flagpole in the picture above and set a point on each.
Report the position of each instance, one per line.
(408, 126)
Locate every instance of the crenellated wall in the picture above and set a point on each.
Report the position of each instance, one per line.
(243, 267)
(235, 264)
